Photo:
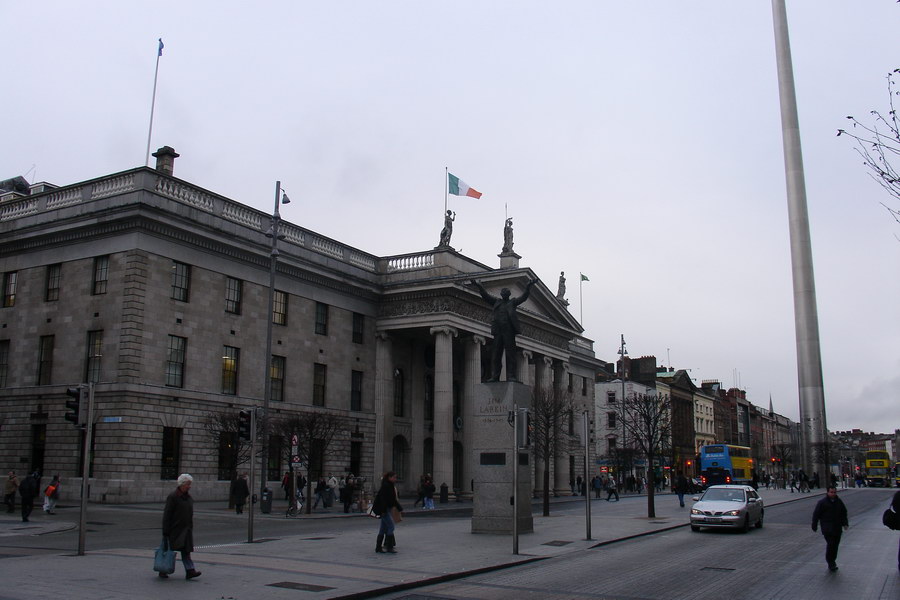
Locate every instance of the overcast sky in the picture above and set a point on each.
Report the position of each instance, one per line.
(636, 142)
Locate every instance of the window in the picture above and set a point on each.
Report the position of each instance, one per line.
(45, 360)
(610, 397)
(275, 452)
(355, 457)
(276, 392)
(320, 377)
(4, 362)
(38, 447)
(175, 354)
(94, 354)
(359, 322)
(280, 308)
(171, 453)
(9, 288)
(51, 289)
(356, 381)
(181, 281)
(228, 454)
(611, 444)
(321, 319)
(230, 358)
(570, 386)
(233, 289)
(611, 420)
(584, 381)
(101, 275)
(398, 392)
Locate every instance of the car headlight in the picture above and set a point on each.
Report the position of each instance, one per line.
(694, 511)
(733, 513)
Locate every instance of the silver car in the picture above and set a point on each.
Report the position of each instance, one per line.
(736, 506)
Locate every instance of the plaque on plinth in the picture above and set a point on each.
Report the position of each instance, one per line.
(492, 443)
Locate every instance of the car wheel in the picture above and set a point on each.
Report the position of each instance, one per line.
(746, 526)
(759, 523)
(695, 528)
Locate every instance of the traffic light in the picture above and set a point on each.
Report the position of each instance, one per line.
(245, 425)
(74, 405)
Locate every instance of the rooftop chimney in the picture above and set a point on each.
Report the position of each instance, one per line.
(165, 159)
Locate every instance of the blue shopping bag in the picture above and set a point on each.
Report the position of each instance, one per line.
(164, 561)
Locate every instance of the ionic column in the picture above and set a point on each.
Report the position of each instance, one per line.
(524, 374)
(384, 403)
(443, 405)
(561, 459)
(472, 378)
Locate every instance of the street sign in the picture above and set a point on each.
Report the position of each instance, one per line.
(295, 460)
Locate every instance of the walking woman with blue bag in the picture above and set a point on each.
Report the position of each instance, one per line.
(178, 524)
(385, 504)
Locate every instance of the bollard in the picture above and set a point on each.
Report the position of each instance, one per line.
(444, 495)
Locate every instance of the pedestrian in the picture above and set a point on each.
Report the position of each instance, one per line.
(321, 488)
(240, 490)
(793, 482)
(10, 487)
(28, 489)
(895, 504)
(681, 487)
(178, 524)
(815, 480)
(428, 494)
(420, 496)
(578, 489)
(51, 494)
(597, 484)
(385, 501)
(331, 494)
(831, 513)
(347, 492)
(286, 486)
(611, 489)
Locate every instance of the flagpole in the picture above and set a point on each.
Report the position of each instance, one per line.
(153, 103)
(580, 298)
(446, 186)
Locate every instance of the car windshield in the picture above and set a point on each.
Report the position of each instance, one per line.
(719, 495)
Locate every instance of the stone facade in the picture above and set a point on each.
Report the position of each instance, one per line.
(98, 260)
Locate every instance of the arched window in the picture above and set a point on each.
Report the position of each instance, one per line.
(400, 457)
(428, 456)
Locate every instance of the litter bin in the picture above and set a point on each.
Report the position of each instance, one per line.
(265, 502)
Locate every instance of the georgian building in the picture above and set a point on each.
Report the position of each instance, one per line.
(157, 292)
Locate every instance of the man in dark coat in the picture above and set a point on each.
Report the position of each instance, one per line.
(895, 504)
(504, 327)
(681, 487)
(239, 492)
(385, 501)
(28, 489)
(831, 513)
(178, 524)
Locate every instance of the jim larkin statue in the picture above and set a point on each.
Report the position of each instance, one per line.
(504, 327)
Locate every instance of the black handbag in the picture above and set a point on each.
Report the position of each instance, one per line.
(890, 519)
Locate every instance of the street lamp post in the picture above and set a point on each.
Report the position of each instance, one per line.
(623, 353)
(280, 198)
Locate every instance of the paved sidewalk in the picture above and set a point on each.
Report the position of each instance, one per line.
(341, 564)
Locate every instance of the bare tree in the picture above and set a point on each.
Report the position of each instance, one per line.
(879, 145)
(550, 410)
(648, 418)
(316, 433)
(784, 453)
(221, 428)
(623, 459)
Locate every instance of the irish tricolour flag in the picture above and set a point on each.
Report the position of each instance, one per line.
(458, 187)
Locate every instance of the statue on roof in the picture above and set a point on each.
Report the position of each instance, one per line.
(508, 236)
(447, 231)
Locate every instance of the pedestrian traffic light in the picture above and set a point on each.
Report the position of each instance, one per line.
(245, 425)
(74, 405)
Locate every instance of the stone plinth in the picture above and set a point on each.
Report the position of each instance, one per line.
(492, 445)
(509, 260)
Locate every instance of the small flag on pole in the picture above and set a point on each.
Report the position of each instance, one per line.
(161, 46)
(458, 187)
(584, 277)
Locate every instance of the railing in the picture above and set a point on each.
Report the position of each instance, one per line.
(146, 179)
(422, 260)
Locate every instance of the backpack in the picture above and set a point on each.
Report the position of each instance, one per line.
(891, 519)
